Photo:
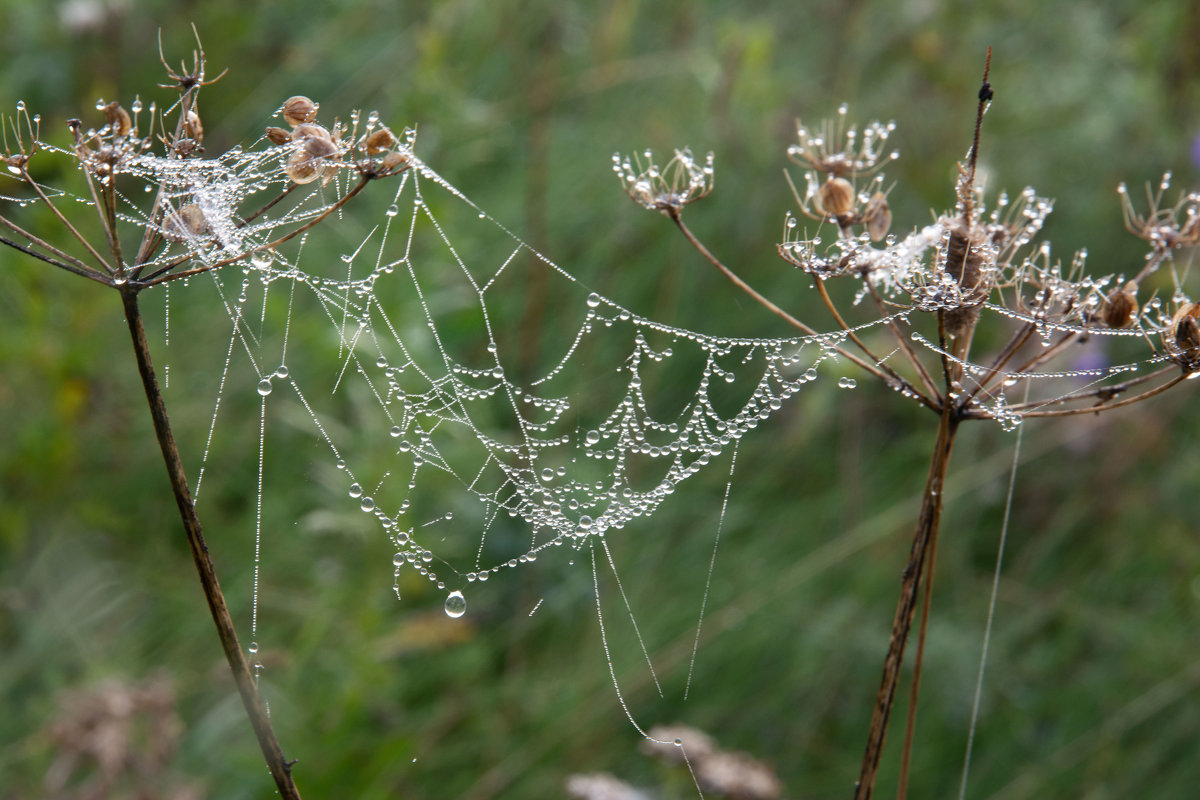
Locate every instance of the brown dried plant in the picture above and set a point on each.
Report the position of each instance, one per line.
(205, 212)
(971, 270)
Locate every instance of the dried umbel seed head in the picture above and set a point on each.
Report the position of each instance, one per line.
(118, 119)
(1119, 307)
(299, 110)
(379, 141)
(836, 197)
(186, 223)
(877, 216)
(278, 136)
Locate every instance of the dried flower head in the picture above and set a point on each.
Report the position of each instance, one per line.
(1164, 228)
(681, 182)
(299, 110)
(838, 151)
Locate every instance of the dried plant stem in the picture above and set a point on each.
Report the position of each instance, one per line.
(837, 317)
(255, 708)
(924, 540)
(902, 340)
(896, 382)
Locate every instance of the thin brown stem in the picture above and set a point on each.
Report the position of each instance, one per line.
(66, 223)
(291, 188)
(899, 383)
(918, 664)
(1099, 407)
(902, 340)
(926, 531)
(76, 265)
(1102, 394)
(837, 317)
(1014, 344)
(86, 272)
(255, 709)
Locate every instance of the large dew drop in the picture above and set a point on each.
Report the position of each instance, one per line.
(456, 604)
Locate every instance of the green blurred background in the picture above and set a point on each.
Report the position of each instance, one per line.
(1095, 666)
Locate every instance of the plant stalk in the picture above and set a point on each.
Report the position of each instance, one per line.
(255, 708)
(923, 541)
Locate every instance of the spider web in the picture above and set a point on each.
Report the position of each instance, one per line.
(629, 409)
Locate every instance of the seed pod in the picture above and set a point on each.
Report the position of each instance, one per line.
(310, 130)
(836, 197)
(1119, 307)
(316, 147)
(395, 159)
(379, 141)
(303, 168)
(299, 110)
(186, 223)
(278, 136)
(1186, 332)
(118, 119)
(192, 129)
(877, 216)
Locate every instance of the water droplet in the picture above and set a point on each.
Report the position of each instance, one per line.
(100, 104)
(585, 523)
(393, 210)
(395, 431)
(367, 504)
(456, 604)
(281, 372)
(253, 648)
(547, 474)
(847, 383)
(593, 300)
(264, 387)
(355, 490)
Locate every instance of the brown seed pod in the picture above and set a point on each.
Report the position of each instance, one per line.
(192, 129)
(316, 147)
(186, 223)
(1185, 333)
(395, 159)
(379, 141)
(299, 110)
(278, 136)
(836, 197)
(1119, 307)
(303, 168)
(877, 216)
(310, 130)
(118, 119)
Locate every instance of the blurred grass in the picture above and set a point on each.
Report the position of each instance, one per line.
(1092, 684)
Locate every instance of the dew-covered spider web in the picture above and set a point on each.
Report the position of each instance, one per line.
(421, 340)
(389, 322)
